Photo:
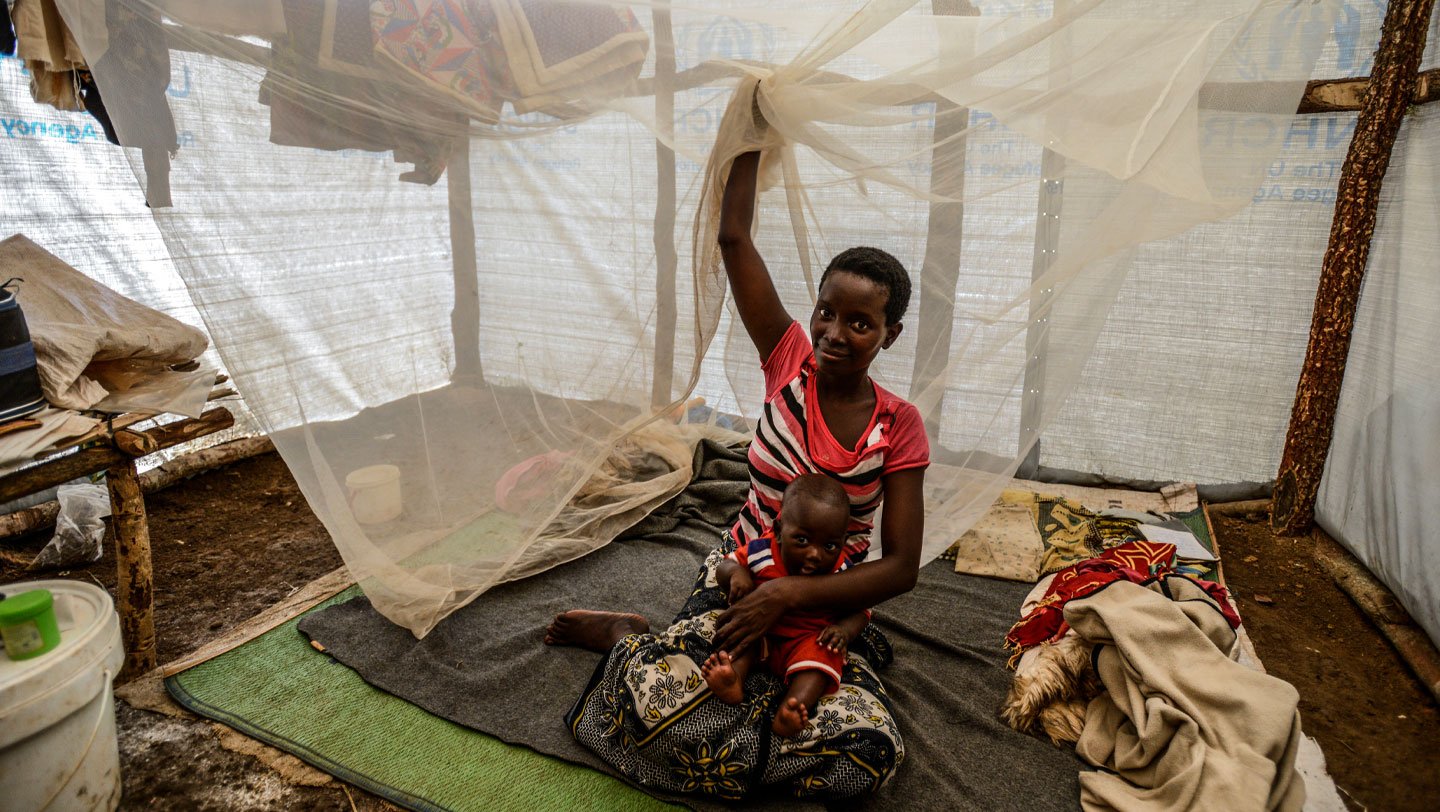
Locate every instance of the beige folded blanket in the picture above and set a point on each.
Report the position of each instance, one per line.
(76, 321)
(1182, 725)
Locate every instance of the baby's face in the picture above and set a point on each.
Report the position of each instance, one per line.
(812, 535)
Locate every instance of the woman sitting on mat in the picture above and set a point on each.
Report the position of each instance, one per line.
(647, 710)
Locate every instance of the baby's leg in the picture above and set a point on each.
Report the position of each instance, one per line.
(806, 688)
(726, 675)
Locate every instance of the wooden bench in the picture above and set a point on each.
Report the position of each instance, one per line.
(114, 448)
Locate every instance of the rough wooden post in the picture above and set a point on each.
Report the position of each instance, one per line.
(465, 317)
(134, 583)
(1048, 203)
(1312, 420)
(1037, 334)
(940, 272)
(666, 259)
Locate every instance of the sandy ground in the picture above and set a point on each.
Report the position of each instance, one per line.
(232, 542)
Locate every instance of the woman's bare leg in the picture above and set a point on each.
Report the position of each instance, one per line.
(596, 631)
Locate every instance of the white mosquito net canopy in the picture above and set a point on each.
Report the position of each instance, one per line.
(469, 247)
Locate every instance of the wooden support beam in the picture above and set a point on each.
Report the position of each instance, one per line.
(666, 259)
(940, 271)
(1048, 201)
(1037, 334)
(88, 461)
(84, 462)
(1382, 608)
(182, 431)
(133, 443)
(30, 519)
(465, 316)
(134, 583)
(1317, 395)
(1348, 95)
(188, 39)
(1321, 95)
(113, 424)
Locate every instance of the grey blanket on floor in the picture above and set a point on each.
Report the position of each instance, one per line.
(485, 666)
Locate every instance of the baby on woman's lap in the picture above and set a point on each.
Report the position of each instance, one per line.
(806, 649)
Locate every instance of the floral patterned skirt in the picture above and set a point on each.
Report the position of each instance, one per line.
(648, 712)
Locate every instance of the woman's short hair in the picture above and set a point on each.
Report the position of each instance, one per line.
(881, 268)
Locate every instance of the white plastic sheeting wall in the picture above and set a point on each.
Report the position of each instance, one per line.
(72, 192)
(1382, 477)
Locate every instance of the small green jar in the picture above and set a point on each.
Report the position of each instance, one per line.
(27, 623)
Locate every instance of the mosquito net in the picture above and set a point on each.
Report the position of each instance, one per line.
(460, 257)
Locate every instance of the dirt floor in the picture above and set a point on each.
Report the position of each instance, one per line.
(230, 543)
(1375, 721)
(226, 545)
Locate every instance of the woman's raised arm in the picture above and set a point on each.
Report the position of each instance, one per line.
(863, 586)
(760, 308)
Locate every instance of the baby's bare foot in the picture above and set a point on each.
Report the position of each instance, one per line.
(790, 719)
(719, 673)
(597, 631)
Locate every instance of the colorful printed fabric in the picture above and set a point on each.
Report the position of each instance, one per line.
(562, 56)
(1072, 533)
(648, 713)
(1138, 562)
(449, 43)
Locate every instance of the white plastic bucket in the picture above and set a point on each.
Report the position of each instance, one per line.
(374, 493)
(58, 750)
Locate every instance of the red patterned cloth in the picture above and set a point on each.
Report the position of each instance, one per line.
(1136, 561)
(448, 42)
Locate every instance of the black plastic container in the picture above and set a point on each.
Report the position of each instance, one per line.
(20, 393)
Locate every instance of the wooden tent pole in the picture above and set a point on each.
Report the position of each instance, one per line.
(134, 581)
(465, 317)
(1048, 203)
(1312, 420)
(1037, 335)
(940, 273)
(666, 259)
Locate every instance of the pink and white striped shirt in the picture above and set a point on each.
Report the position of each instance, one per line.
(792, 439)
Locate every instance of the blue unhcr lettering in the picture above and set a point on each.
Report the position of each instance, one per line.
(70, 133)
(176, 92)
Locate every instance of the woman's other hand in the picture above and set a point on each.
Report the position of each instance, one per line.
(745, 622)
(741, 584)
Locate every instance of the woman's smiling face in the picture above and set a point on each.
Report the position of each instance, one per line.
(848, 325)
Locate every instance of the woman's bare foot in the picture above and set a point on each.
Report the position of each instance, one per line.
(790, 719)
(597, 631)
(724, 682)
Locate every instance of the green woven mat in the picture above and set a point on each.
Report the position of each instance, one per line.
(278, 689)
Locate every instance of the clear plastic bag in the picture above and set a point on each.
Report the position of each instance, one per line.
(79, 528)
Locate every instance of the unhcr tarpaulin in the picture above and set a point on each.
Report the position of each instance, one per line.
(337, 163)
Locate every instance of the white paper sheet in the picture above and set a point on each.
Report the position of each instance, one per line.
(1186, 545)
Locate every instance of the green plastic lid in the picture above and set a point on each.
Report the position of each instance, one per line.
(22, 607)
